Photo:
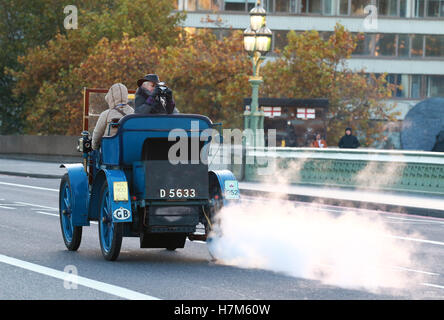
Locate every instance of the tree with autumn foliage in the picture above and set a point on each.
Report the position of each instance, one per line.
(48, 77)
(311, 67)
(208, 76)
(205, 79)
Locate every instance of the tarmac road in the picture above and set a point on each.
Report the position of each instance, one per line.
(33, 258)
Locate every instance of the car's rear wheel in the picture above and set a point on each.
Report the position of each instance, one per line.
(110, 233)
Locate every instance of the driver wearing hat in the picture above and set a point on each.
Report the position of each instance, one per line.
(149, 99)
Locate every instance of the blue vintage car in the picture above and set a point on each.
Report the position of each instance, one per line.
(150, 180)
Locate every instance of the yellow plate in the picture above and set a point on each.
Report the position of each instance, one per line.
(120, 191)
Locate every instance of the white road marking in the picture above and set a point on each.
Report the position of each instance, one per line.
(56, 215)
(385, 267)
(4, 207)
(93, 284)
(433, 285)
(26, 186)
(36, 205)
(417, 271)
(417, 240)
(417, 220)
(48, 214)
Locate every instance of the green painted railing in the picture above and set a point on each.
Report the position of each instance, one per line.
(391, 170)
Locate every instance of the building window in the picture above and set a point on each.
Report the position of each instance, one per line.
(403, 90)
(415, 88)
(417, 43)
(343, 7)
(419, 8)
(429, 8)
(314, 6)
(324, 7)
(282, 6)
(436, 86)
(385, 45)
(387, 7)
(357, 7)
(403, 8)
(327, 7)
(433, 8)
(187, 5)
(363, 45)
(207, 5)
(403, 45)
(234, 5)
(402, 84)
(434, 46)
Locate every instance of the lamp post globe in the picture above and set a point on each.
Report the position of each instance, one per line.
(249, 40)
(257, 17)
(263, 40)
(257, 43)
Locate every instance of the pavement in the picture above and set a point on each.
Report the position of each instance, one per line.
(401, 202)
(32, 168)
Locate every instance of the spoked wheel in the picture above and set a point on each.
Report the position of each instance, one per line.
(72, 235)
(110, 234)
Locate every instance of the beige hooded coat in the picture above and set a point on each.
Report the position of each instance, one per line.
(117, 98)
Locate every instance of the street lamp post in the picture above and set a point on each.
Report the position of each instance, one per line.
(257, 42)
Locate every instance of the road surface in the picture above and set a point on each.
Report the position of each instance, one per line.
(33, 259)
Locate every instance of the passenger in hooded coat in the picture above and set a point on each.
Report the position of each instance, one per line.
(349, 140)
(117, 99)
(439, 144)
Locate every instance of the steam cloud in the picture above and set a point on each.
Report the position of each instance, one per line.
(350, 250)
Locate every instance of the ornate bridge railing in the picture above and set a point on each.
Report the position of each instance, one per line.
(391, 170)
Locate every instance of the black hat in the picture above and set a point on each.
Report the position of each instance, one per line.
(149, 77)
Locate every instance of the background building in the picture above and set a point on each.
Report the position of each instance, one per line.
(404, 38)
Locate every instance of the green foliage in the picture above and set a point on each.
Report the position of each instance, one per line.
(23, 24)
(49, 60)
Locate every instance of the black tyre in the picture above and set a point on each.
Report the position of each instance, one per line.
(72, 235)
(110, 233)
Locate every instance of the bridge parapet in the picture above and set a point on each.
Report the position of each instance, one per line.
(370, 169)
(391, 170)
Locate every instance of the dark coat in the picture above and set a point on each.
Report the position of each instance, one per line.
(439, 144)
(349, 142)
(146, 103)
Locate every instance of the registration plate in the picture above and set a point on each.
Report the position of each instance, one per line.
(120, 191)
(177, 193)
(232, 189)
